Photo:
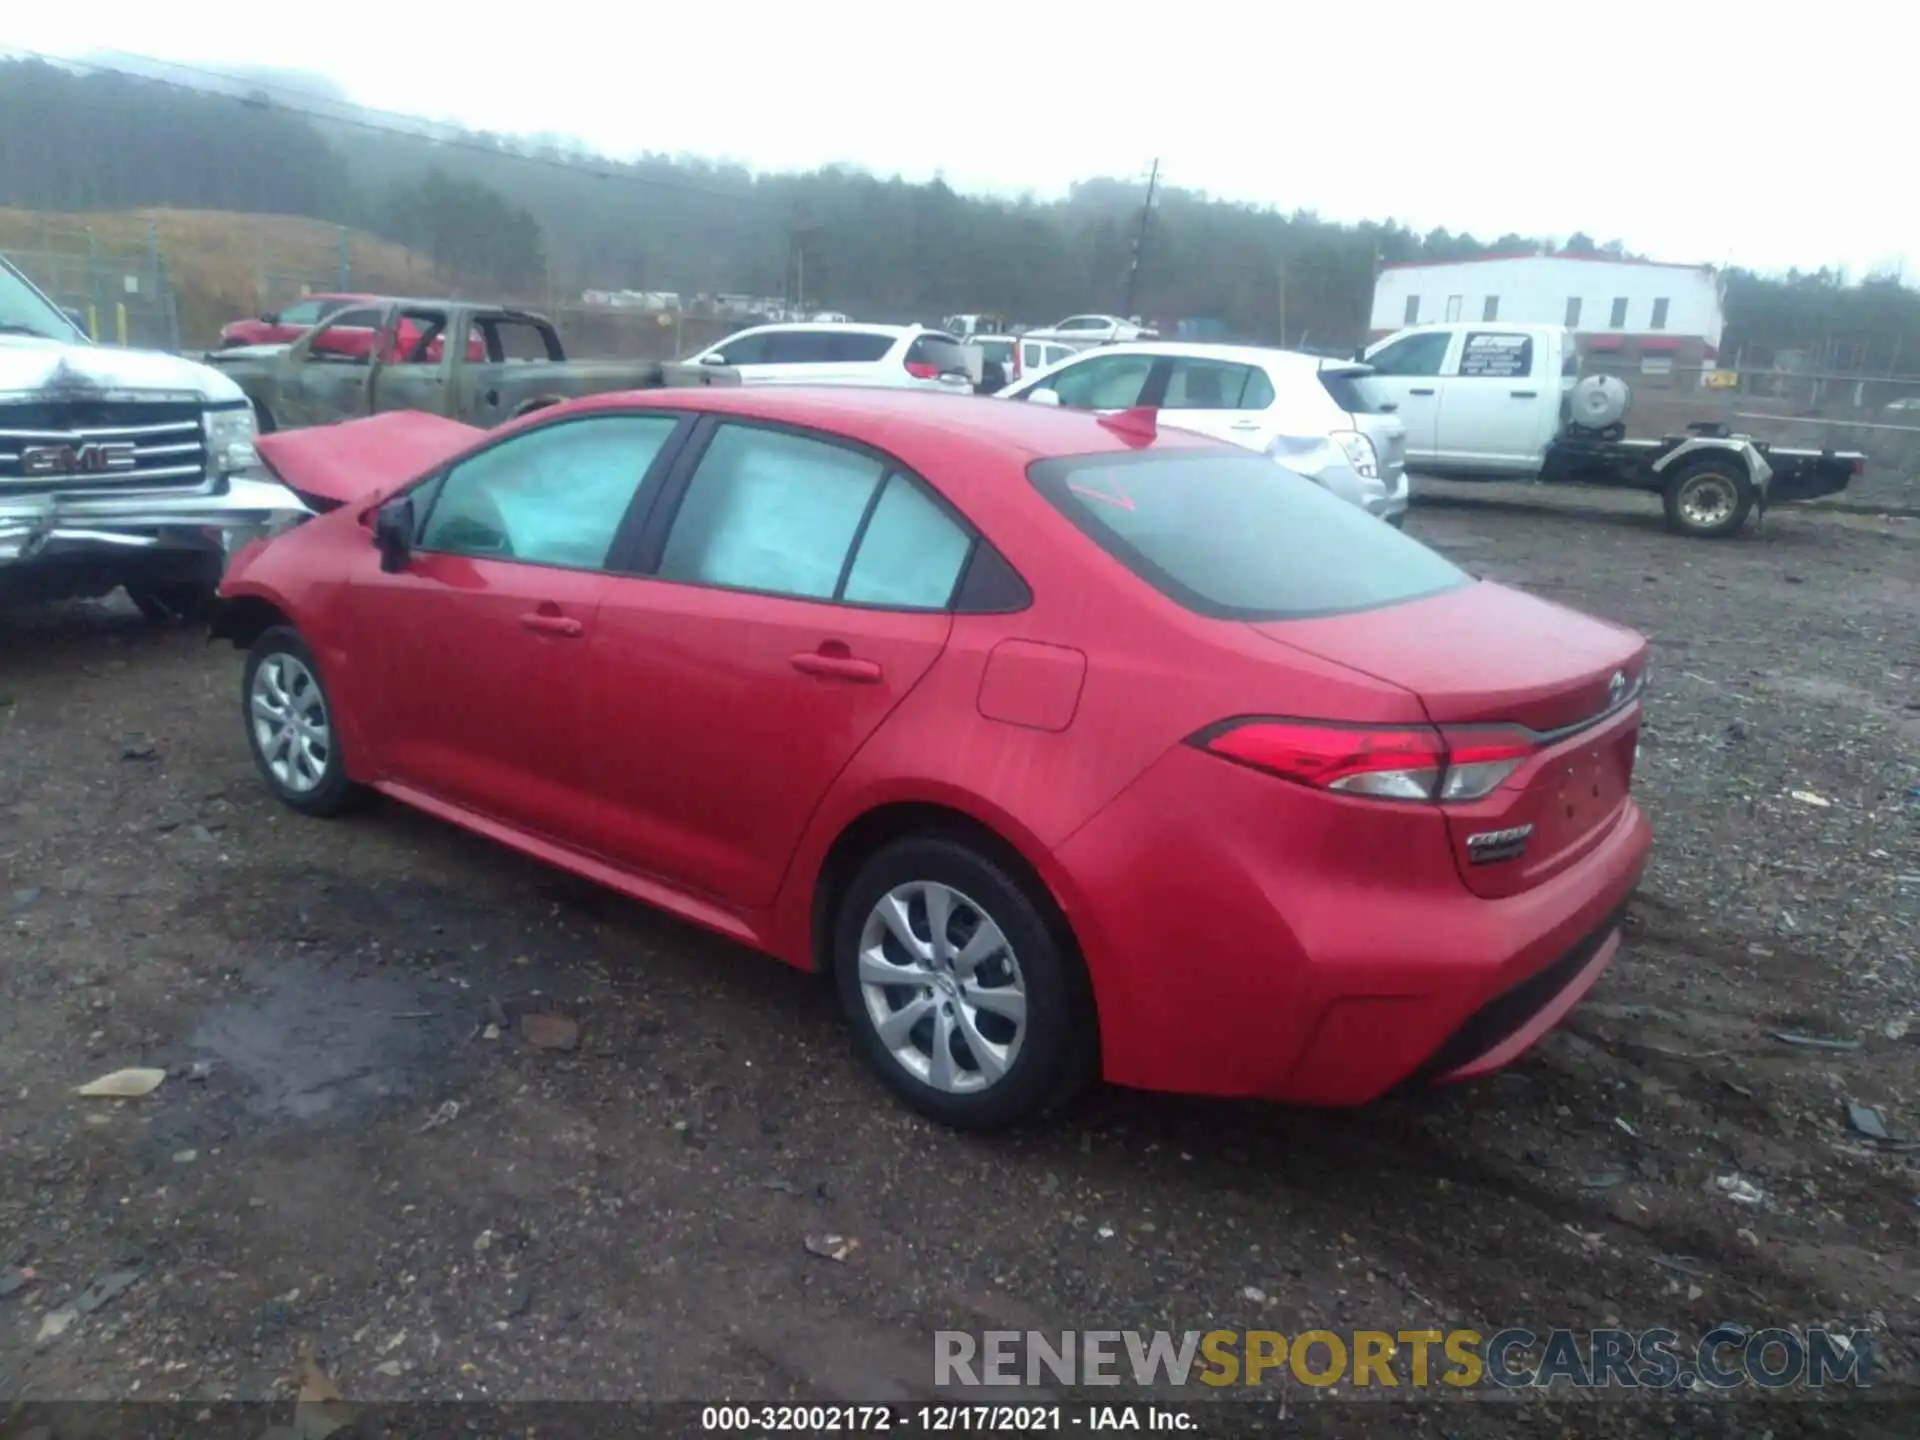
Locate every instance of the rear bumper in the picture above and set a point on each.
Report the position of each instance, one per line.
(1506, 1027)
(1384, 498)
(1298, 948)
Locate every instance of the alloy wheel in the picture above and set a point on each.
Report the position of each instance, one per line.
(290, 723)
(942, 987)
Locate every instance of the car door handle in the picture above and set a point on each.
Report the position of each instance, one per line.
(837, 667)
(1421, 391)
(1244, 425)
(546, 624)
(1526, 394)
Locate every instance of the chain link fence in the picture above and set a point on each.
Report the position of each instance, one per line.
(120, 292)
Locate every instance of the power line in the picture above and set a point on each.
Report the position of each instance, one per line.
(379, 122)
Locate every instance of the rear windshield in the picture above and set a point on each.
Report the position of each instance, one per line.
(941, 351)
(1237, 537)
(1357, 392)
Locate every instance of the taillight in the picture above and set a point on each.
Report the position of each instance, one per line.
(1382, 762)
(921, 370)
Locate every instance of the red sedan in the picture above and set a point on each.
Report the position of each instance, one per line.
(280, 327)
(1067, 747)
(353, 325)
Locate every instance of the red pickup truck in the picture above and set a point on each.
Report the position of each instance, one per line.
(343, 337)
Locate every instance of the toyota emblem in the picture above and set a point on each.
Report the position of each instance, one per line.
(1616, 688)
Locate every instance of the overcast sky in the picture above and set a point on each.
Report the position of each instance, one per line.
(1694, 132)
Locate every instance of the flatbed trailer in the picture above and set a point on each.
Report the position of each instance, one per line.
(1709, 479)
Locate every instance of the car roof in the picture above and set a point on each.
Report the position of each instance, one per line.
(416, 302)
(1236, 354)
(927, 430)
(974, 449)
(833, 327)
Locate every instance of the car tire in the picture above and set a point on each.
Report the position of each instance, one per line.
(177, 602)
(291, 727)
(1709, 498)
(1049, 1053)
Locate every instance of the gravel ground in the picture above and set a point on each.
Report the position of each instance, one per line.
(358, 1156)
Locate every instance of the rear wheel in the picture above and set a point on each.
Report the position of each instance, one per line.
(291, 729)
(960, 993)
(1709, 498)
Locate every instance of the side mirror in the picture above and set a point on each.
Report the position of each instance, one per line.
(77, 317)
(272, 317)
(1044, 396)
(713, 359)
(393, 533)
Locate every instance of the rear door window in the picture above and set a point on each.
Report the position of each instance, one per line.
(859, 346)
(1196, 384)
(772, 511)
(799, 347)
(910, 554)
(1235, 537)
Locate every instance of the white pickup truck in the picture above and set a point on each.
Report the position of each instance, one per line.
(120, 467)
(1493, 401)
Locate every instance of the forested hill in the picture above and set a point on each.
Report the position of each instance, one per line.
(525, 217)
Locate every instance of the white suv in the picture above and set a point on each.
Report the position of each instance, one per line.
(1325, 419)
(900, 357)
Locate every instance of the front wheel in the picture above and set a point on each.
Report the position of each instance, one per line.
(291, 726)
(961, 995)
(1709, 498)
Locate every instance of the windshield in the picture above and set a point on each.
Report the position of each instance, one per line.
(1237, 537)
(24, 310)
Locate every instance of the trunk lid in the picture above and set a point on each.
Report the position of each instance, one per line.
(1488, 656)
(333, 465)
(1482, 654)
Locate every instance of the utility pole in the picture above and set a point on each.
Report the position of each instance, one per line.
(1140, 241)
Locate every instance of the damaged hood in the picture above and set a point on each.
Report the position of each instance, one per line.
(333, 465)
(42, 368)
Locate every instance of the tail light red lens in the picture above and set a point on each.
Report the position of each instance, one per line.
(1412, 762)
(921, 370)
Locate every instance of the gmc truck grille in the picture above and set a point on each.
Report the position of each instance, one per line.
(100, 446)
